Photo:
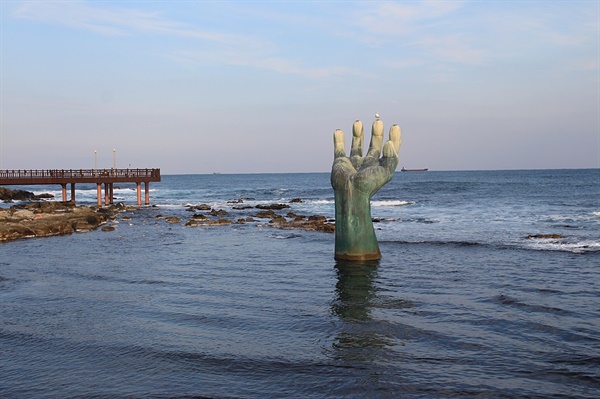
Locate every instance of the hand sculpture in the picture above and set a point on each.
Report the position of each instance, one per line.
(355, 180)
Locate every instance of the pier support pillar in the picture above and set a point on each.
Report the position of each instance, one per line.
(64, 192)
(147, 190)
(139, 192)
(73, 192)
(112, 193)
(106, 192)
(99, 191)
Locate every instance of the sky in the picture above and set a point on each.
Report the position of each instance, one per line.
(260, 86)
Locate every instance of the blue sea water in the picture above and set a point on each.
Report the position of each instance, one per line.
(462, 305)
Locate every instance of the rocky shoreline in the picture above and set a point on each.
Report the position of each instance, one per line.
(287, 221)
(51, 218)
(8, 195)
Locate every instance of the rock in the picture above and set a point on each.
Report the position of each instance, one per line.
(191, 223)
(273, 206)
(23, 214)
(296, 200)
(242, 207)
(241, 221)
(49, 206)
(49, 219)
(199, 216)
(553, 236)
(266, 214)
(9, 195)
(292, 215)
(312, 223)
(108, 228)
(221, 222)
(15, 195)
(278, 220)
(203, 207)
(218, 212)
(119, 206)
(172, 219)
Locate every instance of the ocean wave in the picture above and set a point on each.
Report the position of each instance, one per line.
(597, 214)
(510, 301)
(320, 202)
(580, 247)
(440, 243)
(391, 203)
(577, 247)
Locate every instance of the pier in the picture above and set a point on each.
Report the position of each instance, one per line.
(108, 177)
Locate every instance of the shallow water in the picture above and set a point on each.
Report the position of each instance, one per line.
(162, 310)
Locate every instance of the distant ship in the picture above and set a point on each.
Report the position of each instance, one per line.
(413, 170)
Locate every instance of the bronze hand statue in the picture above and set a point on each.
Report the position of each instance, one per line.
(355, 180)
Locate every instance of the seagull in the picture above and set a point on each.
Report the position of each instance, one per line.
(377, 115)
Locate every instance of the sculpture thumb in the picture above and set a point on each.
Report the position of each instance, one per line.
(390, 159)
(389, 150)
(396, 136)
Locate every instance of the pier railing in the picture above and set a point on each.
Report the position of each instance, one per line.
(76, 174)
(63, 177)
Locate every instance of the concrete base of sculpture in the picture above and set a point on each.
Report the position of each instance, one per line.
(355, 179)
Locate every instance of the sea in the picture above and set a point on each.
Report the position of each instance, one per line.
(488, 287)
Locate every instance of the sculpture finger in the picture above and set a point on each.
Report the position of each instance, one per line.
(358, 139)
(390, 157)
(396, 137)
(339, 148)
(376, 139)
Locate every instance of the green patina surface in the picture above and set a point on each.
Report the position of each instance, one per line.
(355, 179)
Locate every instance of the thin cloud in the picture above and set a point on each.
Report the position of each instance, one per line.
(453, 49)
(230, 49)
(417, 25)
(400, 64)
(117, 22)
(392, 19)
(271, 63)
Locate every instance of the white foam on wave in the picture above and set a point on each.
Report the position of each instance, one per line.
(560, 245)
(597, 214)
(391, 203)
(320, 202)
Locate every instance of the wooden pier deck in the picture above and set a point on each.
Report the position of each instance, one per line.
(73, 176)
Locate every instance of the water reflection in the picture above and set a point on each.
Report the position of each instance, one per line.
(359, 336)
(354, 289)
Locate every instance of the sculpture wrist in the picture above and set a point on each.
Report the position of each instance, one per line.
(355, 236)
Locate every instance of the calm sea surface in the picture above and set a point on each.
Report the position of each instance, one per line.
(462, 304)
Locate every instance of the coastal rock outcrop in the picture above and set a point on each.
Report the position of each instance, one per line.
(289, 221)
(8, 195)
(297, 222)
(42, 219)
(273, 206)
